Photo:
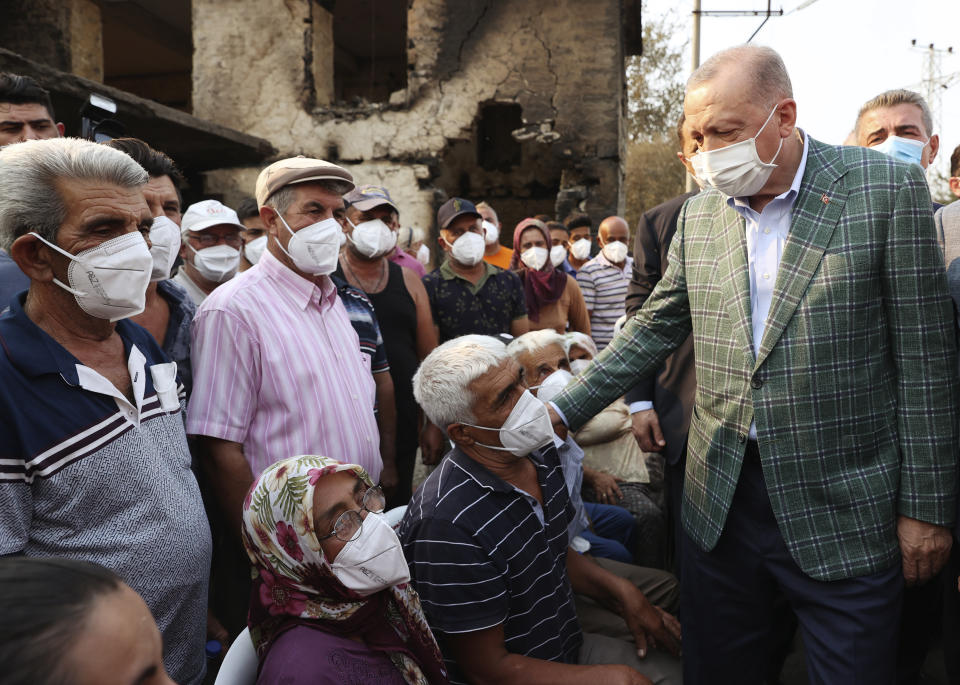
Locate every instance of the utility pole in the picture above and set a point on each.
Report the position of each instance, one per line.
(694, 62)
(934, 82)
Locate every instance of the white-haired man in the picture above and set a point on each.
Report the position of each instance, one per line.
(95, 464)
(486, 539)
(822, 452)
(305, 386)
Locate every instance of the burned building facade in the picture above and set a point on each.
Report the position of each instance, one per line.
(517, 102)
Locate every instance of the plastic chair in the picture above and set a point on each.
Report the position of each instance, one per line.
(395, 515)
(239, 666)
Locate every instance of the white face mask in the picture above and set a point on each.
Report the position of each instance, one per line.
(314, 249)
(423, 255)
(109, 281)
(467, 249)
(615, 252)
(254, 250)
(165, 246)
(736, 170)
(557, 254)
(526, 429)
(491, 232)
(534, 257)
(580, 248)
(373, 238)
(553, 385)
(578, 366)
(218, 263)
(373, 561)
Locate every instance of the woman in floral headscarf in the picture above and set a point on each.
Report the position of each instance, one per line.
(553, 297)
(331, 601)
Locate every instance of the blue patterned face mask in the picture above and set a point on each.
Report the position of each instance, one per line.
(902, 149)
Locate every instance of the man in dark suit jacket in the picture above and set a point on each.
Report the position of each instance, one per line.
(661, 404)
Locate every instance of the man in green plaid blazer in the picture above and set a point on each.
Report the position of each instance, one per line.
(823, 433)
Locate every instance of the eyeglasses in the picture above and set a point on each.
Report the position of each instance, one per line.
(348, 524)
(208, 240)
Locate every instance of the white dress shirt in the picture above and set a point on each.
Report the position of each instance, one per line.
(766, 235)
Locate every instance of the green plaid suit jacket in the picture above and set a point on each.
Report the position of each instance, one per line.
(854, 388)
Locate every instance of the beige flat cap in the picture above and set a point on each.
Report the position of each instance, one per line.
(297, 170)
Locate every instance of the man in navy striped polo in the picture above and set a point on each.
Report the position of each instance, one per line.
(486, 540)
(94, 462)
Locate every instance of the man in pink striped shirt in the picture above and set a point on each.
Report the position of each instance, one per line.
(278, 368)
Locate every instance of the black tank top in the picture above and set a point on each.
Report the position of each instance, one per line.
(397, 316)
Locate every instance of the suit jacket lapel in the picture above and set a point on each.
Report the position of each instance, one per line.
(815, 214)
(733, 270)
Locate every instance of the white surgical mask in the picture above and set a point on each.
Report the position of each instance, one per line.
(902, 149)
(109, 281)
(491, 232)
(615, 252)
(218, 263)
(314, 249)
(372, 562)
(423, 255)
(165, 246)
(468, 249)
(580, 248)
(578, 366)
(254, 250)
(557, 254)
(534, 257)
(526, 429)
(373, 238)
(553, 385)
(736, 170)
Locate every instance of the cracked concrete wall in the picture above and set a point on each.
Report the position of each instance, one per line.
(257, 68)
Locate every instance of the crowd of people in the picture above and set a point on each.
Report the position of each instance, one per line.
(743, 421)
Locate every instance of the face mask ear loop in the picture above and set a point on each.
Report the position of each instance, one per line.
(75, 293)
(779, 147)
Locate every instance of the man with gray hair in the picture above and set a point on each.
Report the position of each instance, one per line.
(304, 386)
(822, 451)
(899, 124)
(486, 538)
(95, 464)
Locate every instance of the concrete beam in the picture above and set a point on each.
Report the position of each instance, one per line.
(195, 144)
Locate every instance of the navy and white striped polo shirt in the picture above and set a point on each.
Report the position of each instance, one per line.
(87, 474)
(482, 553)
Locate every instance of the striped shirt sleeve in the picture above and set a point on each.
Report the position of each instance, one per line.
(587, 289)
(226, 363)
(459, 585)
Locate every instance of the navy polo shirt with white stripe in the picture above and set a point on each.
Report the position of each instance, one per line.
(86, 473)
(483, 553)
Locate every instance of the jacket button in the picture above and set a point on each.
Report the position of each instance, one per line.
(741, 438)
(756, 383)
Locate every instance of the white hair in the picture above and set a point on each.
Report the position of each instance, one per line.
(441, 384)
(580, 340)
(534, 341)
(30, 172)
(768, 74)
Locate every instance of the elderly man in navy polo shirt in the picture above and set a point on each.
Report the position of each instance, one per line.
(93, 455)
(486, 540)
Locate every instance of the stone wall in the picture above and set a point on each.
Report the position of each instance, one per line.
(264, 67)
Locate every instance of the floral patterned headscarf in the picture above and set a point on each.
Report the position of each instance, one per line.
(293, 584)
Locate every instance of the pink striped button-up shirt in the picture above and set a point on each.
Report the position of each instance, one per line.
(277, 367)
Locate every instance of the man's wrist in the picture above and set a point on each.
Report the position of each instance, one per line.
(640, 405)
(560, 413)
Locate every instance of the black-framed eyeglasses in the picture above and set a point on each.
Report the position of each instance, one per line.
(348, 524)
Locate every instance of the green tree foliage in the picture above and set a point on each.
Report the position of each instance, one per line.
(655, 83)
